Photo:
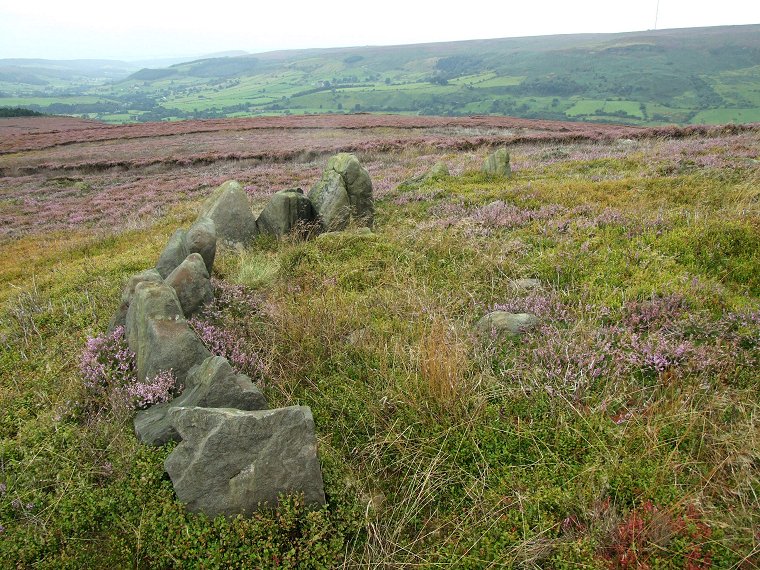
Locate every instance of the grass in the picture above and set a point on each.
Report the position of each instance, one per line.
(622, 429)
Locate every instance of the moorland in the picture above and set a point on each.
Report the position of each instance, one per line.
(621, 432)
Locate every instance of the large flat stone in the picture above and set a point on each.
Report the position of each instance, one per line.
(234, 462)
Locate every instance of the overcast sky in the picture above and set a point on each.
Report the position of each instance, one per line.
(140, 29)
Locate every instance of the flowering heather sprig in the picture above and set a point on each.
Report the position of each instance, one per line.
(106, 362)
(540, 303)
(225, 342)
(657, 312)
(499, 214)
(158, 389)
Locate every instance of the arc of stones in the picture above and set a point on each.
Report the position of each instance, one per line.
(235, 455)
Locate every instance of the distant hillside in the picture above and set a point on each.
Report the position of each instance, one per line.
(685, 76)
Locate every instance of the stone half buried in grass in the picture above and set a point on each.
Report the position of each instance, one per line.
(501, 322)
(287, 211)
(231, 212)
(497, 163)
(212, 384)
(234, 462)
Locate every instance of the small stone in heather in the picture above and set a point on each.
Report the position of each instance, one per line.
(526, 284)
(439, 171)
(499, 322)
(201, 238)
(498, 163)
(233, 462)
(173, 254)
(191, 282)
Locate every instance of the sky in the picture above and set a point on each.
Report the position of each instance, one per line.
(145, 29)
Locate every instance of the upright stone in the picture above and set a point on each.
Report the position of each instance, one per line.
(192, 284)
(232, 462)
(497, 163)
(331, 202)
(439, 171)
(174, 253)
(287, 210)
(212, 384)
(231, 212)
(151, 300)
(201, 238)
(120, 317)
(358, 185)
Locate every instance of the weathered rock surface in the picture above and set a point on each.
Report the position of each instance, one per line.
(120, 317)
(526, 284)
(344, 192)
(498, 163)
(287, 210)
(159, 335)
(173, 254)
(212, 384)
(201, 238)
(439, 171)
(499, 322)
(231, 461)
(192, 284)
(231, 213)
(331, 203)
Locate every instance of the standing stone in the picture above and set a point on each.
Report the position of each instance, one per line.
(343, 192)
(120, 317)
(174, 253)
(201, 238)
(439, 171)
(159, 335)
(192, 284)
(498, 163)
(212, 384)
(331, 202)
(499, 322)
(231, 212)
(232, 462)
(286, 211)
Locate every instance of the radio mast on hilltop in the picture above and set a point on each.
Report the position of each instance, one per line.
(656, 14)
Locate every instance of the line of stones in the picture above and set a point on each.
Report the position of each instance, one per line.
(235, 455)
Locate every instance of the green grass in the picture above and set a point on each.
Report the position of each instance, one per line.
(438, 448)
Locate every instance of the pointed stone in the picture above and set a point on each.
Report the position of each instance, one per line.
(192, 284)
(120, 317)
(201, 238)
(497, 163)
(231, 212)
(173, 254)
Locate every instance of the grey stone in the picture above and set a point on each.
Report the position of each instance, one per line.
(331, 202)
(201, 238)
(526, 284)
(344, 192)
(150, 300)
(439, 171)
(192, 284)
(174, 253)
(120, 317)
(159, 335)
(499, 322)
(497, 163)
(234, 462)
(358, 185)
(231, 212)
(286, 211)
(212, 384)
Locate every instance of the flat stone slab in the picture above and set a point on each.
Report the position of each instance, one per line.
(499, 322)
(234, 462)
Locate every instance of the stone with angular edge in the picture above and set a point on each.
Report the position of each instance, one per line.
(211, 384)
(231, 212)
(499, 322)
(331, 202)
(201, 238)
(159, 335)
(120, 317)
(192, 284)
(287, 210)
(173, 254)
(234, 462)
(358, 186)
(497, 163)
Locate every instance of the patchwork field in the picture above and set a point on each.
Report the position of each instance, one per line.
(621, 432)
